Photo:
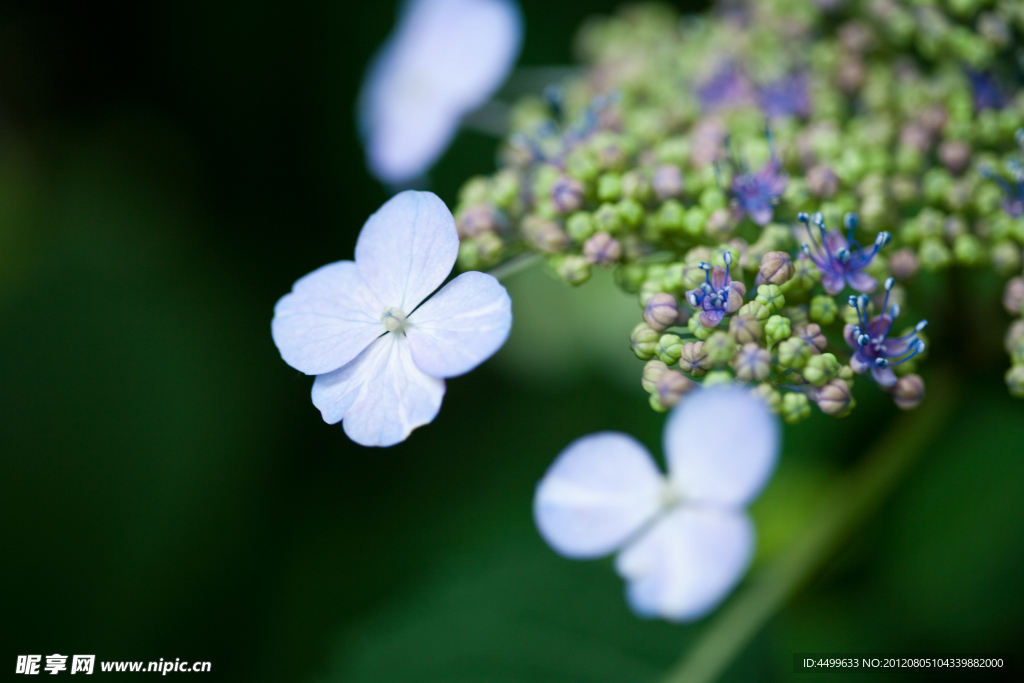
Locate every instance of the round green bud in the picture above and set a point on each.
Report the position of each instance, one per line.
(834, 398)
(1014, 334)
(582, 165)
(696, 329)
(469, 256)
(794, 353)
(476, 190)
(609, 187)
(672, 386)
(648, 289)
(1015, 381)
(1017, 355)
(1005, 257)
(670, 216)
(573, 269)
(643, 340)
(717, 378)
(967, 250)
(669, 348)
(504, 189)
(636, 186)
(823, 309)
(821, 369)
(752, 363)
(933, 255)
(776, 268)
(776, 237)
(674, 279)
(694, 359)
(770, 296)
(631, 212)
(908, 392)
(767, 393)
(712, 198)
(755, 310)
(630, 276)
(653, 371)
(745, 328)
(718, 256)
(776, 329)
(720, 348)
(661, 311)
(795, 408)
(656, 404)
(805, 275)
(580, 227)
(936, 184)
(607, 219)
(988, 198)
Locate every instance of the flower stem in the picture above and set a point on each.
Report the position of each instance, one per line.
(851, 502)
(514, 265)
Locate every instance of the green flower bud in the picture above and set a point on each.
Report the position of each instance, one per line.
(582, 165)
(745, 328)
(968, 250)
(835, 398)
(674, 280)
(1015, 381)
(908, 392)
(720, 225)
(1005, 257)
(1017, 355)
(988, 198)
(776, 268)
(580, 227)
(573, 269)
(776, 329)
(607, 219)
(648, 289)
(1013, 335)
(712, 198)
(933, 255)
(631, 212)
(776, 237)
(795, 408)
(767, 393)
(694, 359)
(755, 310)
(752, 363)
(672, 386)
(694, 221)
(656, 404)
(636, 186)
(770, 296)
(469, 255)
(794, 353)
(643, 340)
(718, 255)
(504, 189)
(609, 187)
(821, 369)
(936, 184)
(720, 348)
(653, 371)
(823, 309)
(476, 190)
(698, 330)
(630, 276)
(670, 216)
(805, 275)
(669, 348)
(661, 311)
(717, 378)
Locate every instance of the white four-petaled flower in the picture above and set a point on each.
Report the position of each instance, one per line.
(685, 540)
(379, 355)
(444, 60)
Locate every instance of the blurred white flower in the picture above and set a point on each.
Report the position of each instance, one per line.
(685, 540)
(445, 59)
(379, 355)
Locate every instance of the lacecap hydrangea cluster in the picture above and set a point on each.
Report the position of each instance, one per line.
(769, 181)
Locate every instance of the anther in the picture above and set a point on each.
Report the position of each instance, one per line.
(851, 221)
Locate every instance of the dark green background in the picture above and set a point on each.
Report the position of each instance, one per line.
(167, 170)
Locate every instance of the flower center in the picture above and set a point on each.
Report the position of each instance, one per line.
(670, 496)
(393, 319)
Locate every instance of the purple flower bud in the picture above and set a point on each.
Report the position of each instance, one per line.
(672, 386)
(1014, 335)
(545, 234)
(812, 336)
(745, 328)
(934, 118)
(567, 194)
(916, 136)
(694, 359)
(852, 73)
(475, 220)
(668, 181)
(602, 249)
(752, 363)
(855, 36)
(903, 264)
(653, 371)
(661, 311)
(834, 398)
(908, 392)
(955, 155)
(776, 268)
(1013, 296)
(822, 181)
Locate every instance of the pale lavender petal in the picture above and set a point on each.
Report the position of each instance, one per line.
(762, 214)
(407, 248)
(327, 320)
(848, 336)
(718, 278)
(834, 241)
(879, 326)
(461, 326)
(687, 563)
(898, 346)
(711, 318)
(381, 395)
(884, 376)
(600, 491)
(860, 363)
(832, 282)
(721, 445)
(862, 282)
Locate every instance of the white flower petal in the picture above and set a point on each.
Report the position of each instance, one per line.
(721, 445)
(445, 59)
(381, 395)
(461, 326)
(684, 565)
(599, 492)
(327, 320)
(407, 248)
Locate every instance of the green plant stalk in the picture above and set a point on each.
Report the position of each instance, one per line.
(853, 500)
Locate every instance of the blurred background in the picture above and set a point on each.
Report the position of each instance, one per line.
(167, 170)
